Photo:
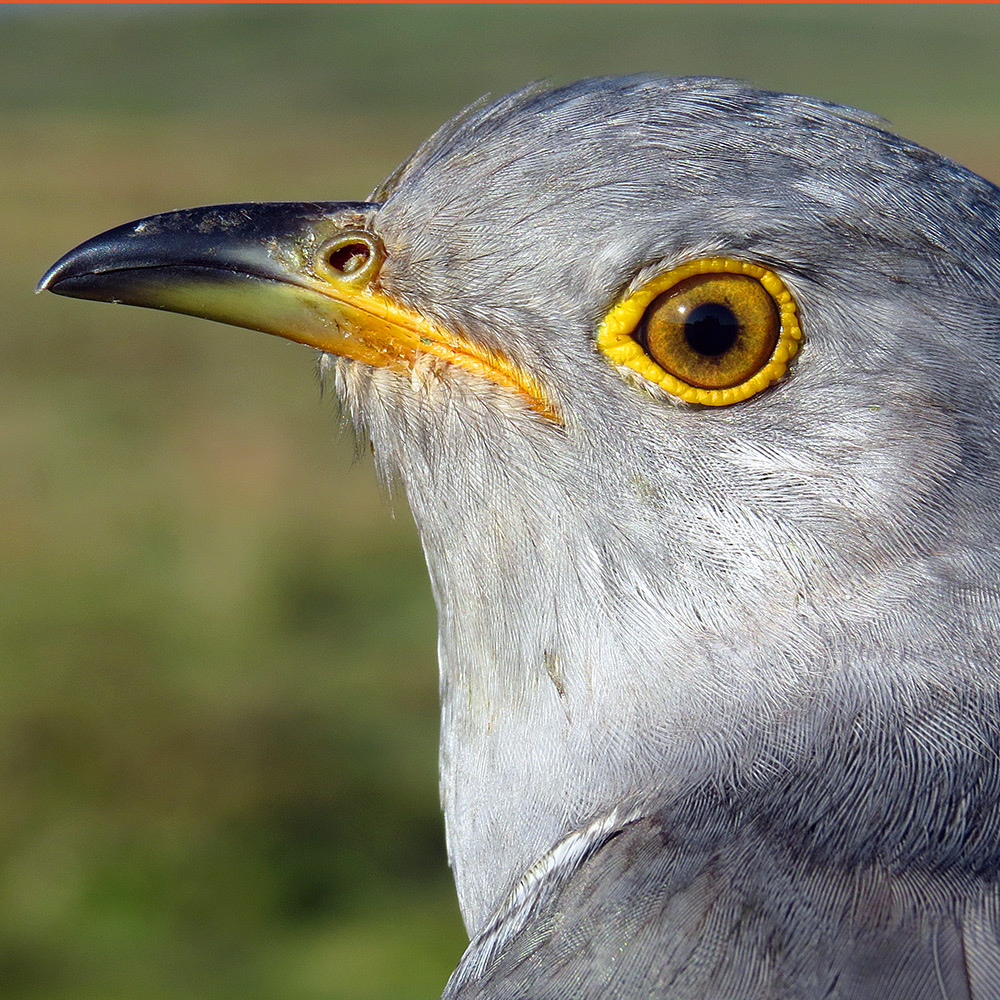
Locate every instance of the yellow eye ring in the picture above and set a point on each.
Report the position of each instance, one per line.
(620, 334)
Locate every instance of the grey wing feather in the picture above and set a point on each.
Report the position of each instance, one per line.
(718, 913)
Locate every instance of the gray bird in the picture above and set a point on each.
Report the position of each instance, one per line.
(694, 392)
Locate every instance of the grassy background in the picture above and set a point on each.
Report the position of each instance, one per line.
(217, 679)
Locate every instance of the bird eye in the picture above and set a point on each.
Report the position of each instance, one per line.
(713, 331)
(354, 257)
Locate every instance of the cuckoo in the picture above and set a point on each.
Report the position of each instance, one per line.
(694, 391)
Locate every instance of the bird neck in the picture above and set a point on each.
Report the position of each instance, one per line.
(611, 640)
(572, 681)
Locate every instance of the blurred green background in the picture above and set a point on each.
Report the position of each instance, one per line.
(217, 678)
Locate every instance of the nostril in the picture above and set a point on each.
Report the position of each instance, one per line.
(354, 257)
(348, 259)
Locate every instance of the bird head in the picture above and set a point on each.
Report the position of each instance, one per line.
(692, 389)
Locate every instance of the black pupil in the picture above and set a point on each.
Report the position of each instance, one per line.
(711, 329)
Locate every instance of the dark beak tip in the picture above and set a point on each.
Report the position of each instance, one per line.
(49, 280)
(70, 265)
(60, 284)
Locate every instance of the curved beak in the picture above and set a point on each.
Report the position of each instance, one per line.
(308, 272)
(270, 267)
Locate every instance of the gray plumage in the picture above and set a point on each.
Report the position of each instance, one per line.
(720, 685)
